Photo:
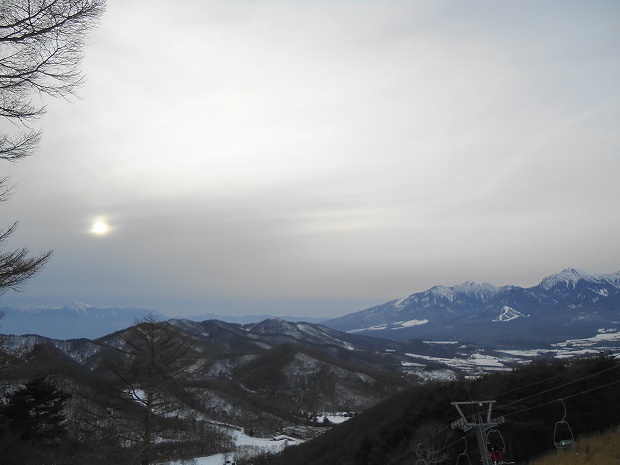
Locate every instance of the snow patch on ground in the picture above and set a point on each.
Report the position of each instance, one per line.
(440, 342)
(339, 417)
(410, 323)
(245, 447)
(371, 328)
(438, 375)
(602, 336)
(395, 325)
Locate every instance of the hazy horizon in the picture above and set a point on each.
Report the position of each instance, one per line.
(319, 158)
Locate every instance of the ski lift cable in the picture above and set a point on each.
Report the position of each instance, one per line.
(565, 397)
(444, 426)
(546, 403)
(408, 451)
(550, 379)
(558, 387)
(455, 441)
(446, 446)
(562, 385)
(537, 394)
(416, 447)
(592, 389)
(431, 436)
(411, 449)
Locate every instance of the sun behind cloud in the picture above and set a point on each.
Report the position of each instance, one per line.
(100, 227)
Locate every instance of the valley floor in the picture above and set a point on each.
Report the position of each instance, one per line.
(249, 446)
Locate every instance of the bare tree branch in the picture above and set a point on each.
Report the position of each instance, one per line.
(156, 360)
(16, 266)
(41, 43)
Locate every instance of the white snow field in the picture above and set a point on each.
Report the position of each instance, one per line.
(245, 446)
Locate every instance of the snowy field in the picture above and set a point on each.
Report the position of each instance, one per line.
(218, 459)
(607, 340)
(248, 446)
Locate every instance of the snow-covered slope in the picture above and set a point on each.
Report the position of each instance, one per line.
(509, 314)
(571, 277)
(569, 304)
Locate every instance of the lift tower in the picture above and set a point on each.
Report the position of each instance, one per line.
(478, 423)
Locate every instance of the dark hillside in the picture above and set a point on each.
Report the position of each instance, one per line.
(293, 376)
(376, 434)
(398, 429)
(182, 389)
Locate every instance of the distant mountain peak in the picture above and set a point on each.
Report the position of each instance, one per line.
(482, 291)
(76, 320)
(477, 289)
(78, 307)
(571, 276)
(274, 325)
(442, 291)
(572, 303)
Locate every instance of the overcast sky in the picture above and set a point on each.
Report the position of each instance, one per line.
(319, 157)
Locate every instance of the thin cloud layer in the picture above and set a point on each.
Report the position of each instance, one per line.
(321, 157)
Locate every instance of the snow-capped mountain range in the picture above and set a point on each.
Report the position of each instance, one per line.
(569, 304)
(572, 304)
(74, 321)
(81, 320)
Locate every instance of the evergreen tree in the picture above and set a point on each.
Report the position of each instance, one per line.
(32, 423)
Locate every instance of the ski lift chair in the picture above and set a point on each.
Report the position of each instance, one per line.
(463, 458)
(495, 440)
(563, 437)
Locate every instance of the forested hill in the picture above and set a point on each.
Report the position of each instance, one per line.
(416, 423)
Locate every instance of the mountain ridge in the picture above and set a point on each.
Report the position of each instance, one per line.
(71, 321)
(569, 304)
(77, 320)
(566, 305)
